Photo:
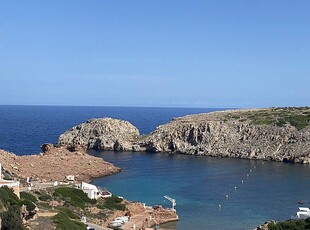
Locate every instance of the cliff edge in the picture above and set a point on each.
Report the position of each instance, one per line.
(279, 134)
(101, 134)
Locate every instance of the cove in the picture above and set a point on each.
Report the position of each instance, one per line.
(270, 190)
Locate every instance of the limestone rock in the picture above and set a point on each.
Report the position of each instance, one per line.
(231, 134)
(101, 134)
(278, 134)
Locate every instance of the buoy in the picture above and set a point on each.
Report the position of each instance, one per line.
(242, 182)
(226, 196)
(220, 206)
(235, 187)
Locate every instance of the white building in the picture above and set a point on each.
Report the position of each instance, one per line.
(91, 190)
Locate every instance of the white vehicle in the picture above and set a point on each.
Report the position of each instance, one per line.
(116, 224)
(124, 219)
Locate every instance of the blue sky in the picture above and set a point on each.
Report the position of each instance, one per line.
(175, 53)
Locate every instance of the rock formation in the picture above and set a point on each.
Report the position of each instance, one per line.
(279, 134)
(55, 163)
(101, 134)
(250, 134)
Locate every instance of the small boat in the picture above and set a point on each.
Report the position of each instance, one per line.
(303, 213)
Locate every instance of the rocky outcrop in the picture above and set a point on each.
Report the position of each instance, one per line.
(101, 134)
(231, 134)
(55, 163)
(279, 134)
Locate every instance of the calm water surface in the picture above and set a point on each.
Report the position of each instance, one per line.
(24, 128)
(199, 184)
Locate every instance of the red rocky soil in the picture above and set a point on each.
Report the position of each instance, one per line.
(55, 163)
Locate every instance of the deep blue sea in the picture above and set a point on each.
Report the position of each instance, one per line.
(270, 190)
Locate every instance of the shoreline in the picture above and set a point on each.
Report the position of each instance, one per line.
(55, 164)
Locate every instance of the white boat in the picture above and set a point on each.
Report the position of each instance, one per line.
(303, 213)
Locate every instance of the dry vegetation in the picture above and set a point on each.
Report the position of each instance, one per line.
(297, 117)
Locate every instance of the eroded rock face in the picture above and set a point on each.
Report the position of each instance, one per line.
(217, 134)
(101, 134)
(280, 134)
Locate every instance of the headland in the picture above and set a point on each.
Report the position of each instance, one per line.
(277, 134)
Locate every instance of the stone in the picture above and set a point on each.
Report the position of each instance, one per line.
(101, 134)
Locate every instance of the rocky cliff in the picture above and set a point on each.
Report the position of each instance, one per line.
(101, 134)
(280, 134)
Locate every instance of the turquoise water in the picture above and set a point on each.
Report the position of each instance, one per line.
(199, 184)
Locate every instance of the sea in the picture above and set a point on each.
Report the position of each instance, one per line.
(211, 193)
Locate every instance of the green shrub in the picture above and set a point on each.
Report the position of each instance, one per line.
(11, 219)
(29, 200)
(113, 203)
(299, 121)
(8, 197)
(69, 213)
(73, 196)
(290, 225)
(45, 197)
(263, 121)
(63, 222)
(281, 122)
(297, 117)
(116, 199)
(28, 196)
(30, 206)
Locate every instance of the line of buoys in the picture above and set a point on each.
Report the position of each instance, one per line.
(242, 182)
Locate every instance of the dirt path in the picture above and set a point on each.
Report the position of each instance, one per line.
(47, 214)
